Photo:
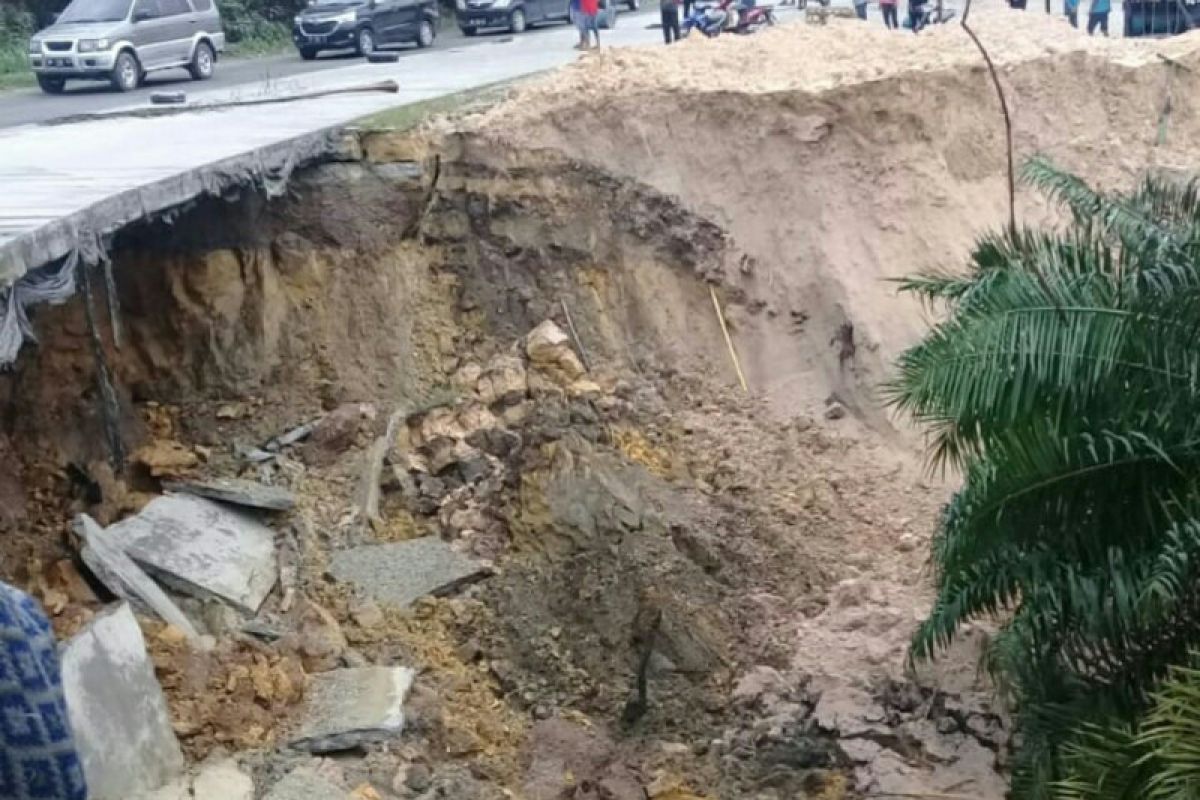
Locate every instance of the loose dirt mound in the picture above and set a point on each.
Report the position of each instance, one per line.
(840, 156)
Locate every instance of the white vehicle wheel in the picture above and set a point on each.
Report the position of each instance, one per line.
(425, 34)
(203, 60)
(126, 73)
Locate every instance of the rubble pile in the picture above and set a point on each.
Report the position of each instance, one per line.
(565, 588)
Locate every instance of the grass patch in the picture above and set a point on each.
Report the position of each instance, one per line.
(15, 29)
(267, 39)
(16, 80)
(407, 117)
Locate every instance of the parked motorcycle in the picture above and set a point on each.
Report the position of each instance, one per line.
(754, 17)
(709, 19)
(924, 13)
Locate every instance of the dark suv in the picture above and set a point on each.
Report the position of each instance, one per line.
(364, 25)
(517, 15)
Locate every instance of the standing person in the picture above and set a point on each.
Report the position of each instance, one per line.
(670, 20)
(1019, 5)
(589, 12)
(577, 19)
(36, 743)
(860, 8)
(687, 8)
(1098, 16)
(891, 19)
(916, 9)
(1071, 9)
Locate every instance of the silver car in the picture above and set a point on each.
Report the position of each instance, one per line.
(121, 41)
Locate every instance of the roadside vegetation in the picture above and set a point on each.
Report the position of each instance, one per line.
(16, 25)
(1064, 386)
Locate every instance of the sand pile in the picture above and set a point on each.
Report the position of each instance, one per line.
(838, 157)
(813, 58)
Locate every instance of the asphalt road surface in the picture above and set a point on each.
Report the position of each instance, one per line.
(26, 106)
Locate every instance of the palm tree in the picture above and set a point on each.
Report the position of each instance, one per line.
(1064, 386)
(1160, 761)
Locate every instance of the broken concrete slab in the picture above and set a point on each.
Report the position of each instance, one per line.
(305, 783)
(116, 570)
(117, 709)
(238, 492)
(202, 548)
(348, 708)
(399, 573)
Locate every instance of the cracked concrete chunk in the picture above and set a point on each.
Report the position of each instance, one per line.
(304, 783)
(117, 709)
(237, 492)
(116, 570)
(202, 548)
(351, 707)
(399, 573)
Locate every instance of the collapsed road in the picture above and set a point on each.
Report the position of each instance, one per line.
(518, 455)
(69, 186)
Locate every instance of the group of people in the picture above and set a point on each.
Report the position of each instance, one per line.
(891, 13)
(1098, 11)
(586, 14)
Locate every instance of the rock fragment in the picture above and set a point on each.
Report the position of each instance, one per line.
(550, 352)
(504, 382)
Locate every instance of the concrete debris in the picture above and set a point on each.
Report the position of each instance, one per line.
(349, 708)
(299, 433)
(237, 492)
(399, 573)
(118, 710)
(223, 780)
(121, 576)
(305, 783)
(202, 548)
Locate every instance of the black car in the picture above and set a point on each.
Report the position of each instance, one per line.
(364, 25)
(517, 15)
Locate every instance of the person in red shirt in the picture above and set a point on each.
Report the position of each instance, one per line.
(890, 18)
(589, 26)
